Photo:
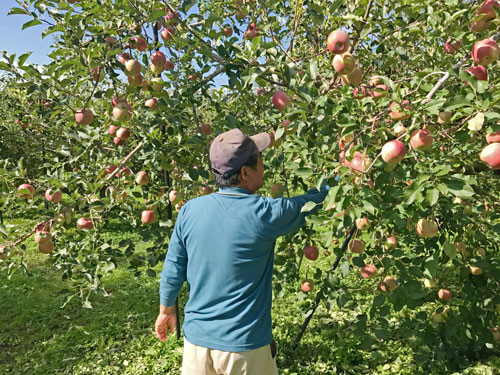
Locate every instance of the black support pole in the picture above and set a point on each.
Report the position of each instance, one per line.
(318, 295)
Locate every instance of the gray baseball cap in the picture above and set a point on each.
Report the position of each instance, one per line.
(229, 151)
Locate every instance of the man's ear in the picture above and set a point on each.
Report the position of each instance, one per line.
(244, 172)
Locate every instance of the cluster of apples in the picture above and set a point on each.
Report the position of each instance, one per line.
(311, 253)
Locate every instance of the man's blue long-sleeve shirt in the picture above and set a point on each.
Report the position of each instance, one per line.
(223, 246)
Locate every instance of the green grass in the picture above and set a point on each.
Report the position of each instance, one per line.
(117, 336)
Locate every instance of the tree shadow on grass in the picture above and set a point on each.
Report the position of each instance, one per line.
(115, 337)
(330, 346)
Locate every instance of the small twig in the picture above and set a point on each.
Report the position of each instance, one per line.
(127, 158)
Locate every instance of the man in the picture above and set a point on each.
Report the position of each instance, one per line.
(223, 246)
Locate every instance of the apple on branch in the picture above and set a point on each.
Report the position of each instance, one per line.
(357, 246)
(427, 228)
(142, 178)
(490, 155)
(53, 196)
(485, 52)
(337, 42)
(393, 152)
(311, 252)
(281, 100)
(84, 223)
(26, 191)
(368, 271)
(84, 116)
(307, 285)
(148, 217)
(421, 140)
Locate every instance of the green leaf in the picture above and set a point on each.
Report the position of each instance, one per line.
(432, 196)
(431, 266)
(476, 123)
(313, 69)
(450, 250)
(308, 207)
(31, 23)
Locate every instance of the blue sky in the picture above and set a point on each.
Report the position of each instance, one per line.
(15, 40)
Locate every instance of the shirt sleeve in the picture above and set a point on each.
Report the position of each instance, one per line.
(175, 266)
(286, 216)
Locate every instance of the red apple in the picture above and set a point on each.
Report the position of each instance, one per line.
(137, 42)
(485, 52)
(485, 14)
(84, 116)
(167, 34)
(42, 237)
(369, 271)
(360, 93)
(307, 285)
(388, 284)
(135, 80)
(251, 31)
(427, 228)
(132, 68)
(124, 57)
(400, 111)
(476, 271)
(311, 252)
(206, 129)
(362, 223)
(119, 142)
(172, 18)
(156, 69)
(84, 223)
(493, 137)
(5, 252)
(193, 77)
(357, 246)
(158, 58)
(337, 42)
(152, 104)
(169, 65)
(44, 226)
(360, 163)
(399, 130)
(421, 140)
(148, 217)
(112, 129)
(281, 100)
(228, 31)
(393, 152)
(491, 155)
(46, 248)
(353, 78)
(496, 333)
(122, 112)
(26, 191)
(54, 197)
(379, 92)
(205, 190)
(452, 48)
(344, 64)
(479, 72)
(175, 196)
(391, 242)
(142, 178)
(444, 294)
(444, 117)
(123, 133)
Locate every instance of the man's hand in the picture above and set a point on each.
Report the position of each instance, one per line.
(166, 320)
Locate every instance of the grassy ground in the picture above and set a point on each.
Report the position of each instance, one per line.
(116, 336)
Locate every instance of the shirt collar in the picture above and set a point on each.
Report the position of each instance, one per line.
(234, 190)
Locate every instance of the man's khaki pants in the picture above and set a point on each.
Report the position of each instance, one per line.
(198, 360)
